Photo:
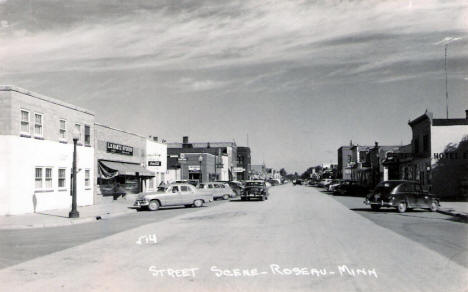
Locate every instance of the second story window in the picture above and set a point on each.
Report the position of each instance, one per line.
(87, 135)
(78, 129)
(38, 124)
(25, 122)
(63, 130)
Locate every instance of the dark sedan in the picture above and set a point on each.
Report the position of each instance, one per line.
(402, 195)
(255, 190)
(351, 188)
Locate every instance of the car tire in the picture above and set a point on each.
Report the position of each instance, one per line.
(153, 205)
(225, 197)
(434, 207)
(198, 203)
(402, 207)
(262, 198)
(375, 207)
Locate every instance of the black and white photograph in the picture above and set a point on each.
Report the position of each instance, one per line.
(234, 145)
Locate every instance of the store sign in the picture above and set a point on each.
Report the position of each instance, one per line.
(238, 169)
(194, 168)
(119, 149)
(154, 163)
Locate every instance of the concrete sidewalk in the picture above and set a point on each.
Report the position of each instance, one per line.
(456, 209)
(59, 217)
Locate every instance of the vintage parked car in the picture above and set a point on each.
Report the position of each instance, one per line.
(402, 195)
(334, 184)
(236, 186)
(173, 195)
(218, 190)
(351, 188)
(255, 189)
(297, 182)
(324, 182)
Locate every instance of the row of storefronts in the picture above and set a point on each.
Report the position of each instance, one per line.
(36, 155)
(207, 161)
(437, 157)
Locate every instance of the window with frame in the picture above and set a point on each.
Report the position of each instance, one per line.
(25, 122)
(43, 178)
(62, 177)
(63, 129)
(87, 178)
(87, 135)
(38, 178)
(183, 188)
(38, 124)
(48, 178)
(78, 129)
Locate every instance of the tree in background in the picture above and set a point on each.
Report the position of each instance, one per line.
(283, 172)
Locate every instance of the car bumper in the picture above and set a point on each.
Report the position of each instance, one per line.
(139, 204)
(381, 203)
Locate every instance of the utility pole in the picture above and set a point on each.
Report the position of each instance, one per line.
(446, 82)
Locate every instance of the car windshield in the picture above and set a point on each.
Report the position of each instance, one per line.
(254, 184)
(386, 187)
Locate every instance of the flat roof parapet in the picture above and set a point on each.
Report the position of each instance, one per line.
(45, 98)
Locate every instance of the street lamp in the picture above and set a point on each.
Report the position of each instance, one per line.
(74, 213)
(200, 159)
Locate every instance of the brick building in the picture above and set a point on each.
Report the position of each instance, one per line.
(36, 152)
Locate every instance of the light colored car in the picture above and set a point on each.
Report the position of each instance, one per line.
(174, 195)
(334, 184)
(325, 182)
(218, 190)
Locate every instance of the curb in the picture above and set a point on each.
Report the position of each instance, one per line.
(451, 212)
(69, 221)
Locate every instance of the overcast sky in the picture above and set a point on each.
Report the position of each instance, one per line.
(300, 78)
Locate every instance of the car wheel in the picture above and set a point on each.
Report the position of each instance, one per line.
(225, 197)
(434, 207)
(198, 203)
(375, 207)
(262, 198)
(402, 206)
(153, 205)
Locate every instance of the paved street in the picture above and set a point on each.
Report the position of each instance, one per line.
(441, 233)
(300, 239)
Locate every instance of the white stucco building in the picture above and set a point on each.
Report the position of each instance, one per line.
(36, 152)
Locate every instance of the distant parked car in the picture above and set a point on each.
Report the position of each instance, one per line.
(351, 188)
(236, 186)
(218, 190)
(334, 184)
(255, 189)
(297, 182)
(324, 182)
(402, 195)
(173, 195)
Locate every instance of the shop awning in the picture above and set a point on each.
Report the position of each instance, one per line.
(110, 169)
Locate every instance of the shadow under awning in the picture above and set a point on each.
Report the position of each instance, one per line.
(110, 169)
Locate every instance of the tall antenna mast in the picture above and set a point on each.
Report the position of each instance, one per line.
(446, 82)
